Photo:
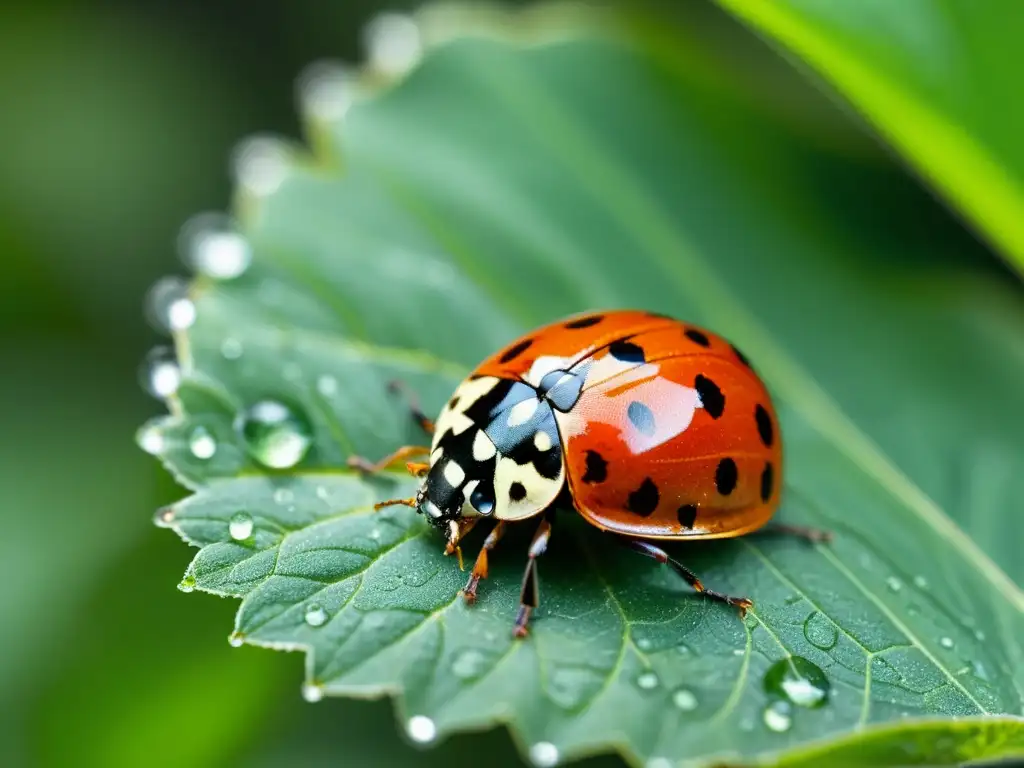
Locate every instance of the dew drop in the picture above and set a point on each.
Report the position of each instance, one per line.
(202, 443)
(979, 635)
(283, 496)
(894, 584)
(392, 42)
(469, 664)
(210, 245)
(797, 680)
(240, 526)
(231, 348)
(235, 639)
(164, 516)
(275, 435)
(544, 754)
(312, 692)
(820, 632)
(738, 651)
(683, 649)
(643, 644)
(421, 729)
(322, 493)
(647, 681)
(316, 616)
(260, 164)
(168, 305)
(160, 373)
(188, 583)
(685, 700)
(920, 582)
(326, 90)
(327, 385)
(151, 439)
(946, 642)
(778, 716)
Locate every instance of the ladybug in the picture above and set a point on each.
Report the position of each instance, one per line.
(652, 428)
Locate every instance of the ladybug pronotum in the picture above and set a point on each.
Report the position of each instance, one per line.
(651, 428)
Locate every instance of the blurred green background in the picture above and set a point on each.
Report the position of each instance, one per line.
(119, 121)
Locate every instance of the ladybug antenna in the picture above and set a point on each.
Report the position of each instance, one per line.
(410, 502)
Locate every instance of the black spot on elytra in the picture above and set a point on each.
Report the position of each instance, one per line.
(764, 425)
(644, 500)
(726, 476)
(710, 395)
(627, 352)
(641, 417)
(741, 356)
(517, 491)
(515, 351)
(697, 337)
(687, 515)
(767, 481)
(597, 468)
(584, 322)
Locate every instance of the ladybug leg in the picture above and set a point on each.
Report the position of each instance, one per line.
(645, 548)
(365, 465)
(397, 387)
(480, 567)
(813, 535)
(529, 597)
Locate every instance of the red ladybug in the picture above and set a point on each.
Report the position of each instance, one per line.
(653, 428)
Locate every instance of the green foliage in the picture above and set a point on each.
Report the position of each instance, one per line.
(501, 185)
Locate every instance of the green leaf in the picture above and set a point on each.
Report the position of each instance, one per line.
(500, 185)
(936, 79)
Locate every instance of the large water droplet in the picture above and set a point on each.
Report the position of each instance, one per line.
(316, 616)
(168, 305)
(150, 438)
(240, 526)
(392, 43)
(160, 374)
(275, 435)
(469, 664)
(260, 164)
(544, 754)
(647, 681)
(685, 700)
(210, 245)
(421, 729)
(312, 692)
(778, 716)
(798, 680)
(202, 443)
(820, 632)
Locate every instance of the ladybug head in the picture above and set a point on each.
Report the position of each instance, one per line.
(439, 500)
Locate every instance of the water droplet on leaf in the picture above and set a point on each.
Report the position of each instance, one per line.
(283, 496)
(946, 642)
(235, 639)
(797, 680)
(392, 43)
(820, 632)
(202, 443)
(920, 582)
(685, 700)
(421, 729)
(260, 164)
(151, 439)
(327, 90)
(160, 373)
(544, 754)
(778, 716)
(231, 348)
(168, 305)
(312, 692)
(188, 583)
(211, 246)
(647, 681)
(469, 664)
(327, 385)
(894, 584)
(240, 526)
(275, 435)
(164, 516)
(316, 616)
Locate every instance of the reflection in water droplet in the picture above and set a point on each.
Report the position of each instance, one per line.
(202, 444)
(188, 583)
(160, 373)
(168, 305)
(210, 245)
(820, 632)
(894, 584)
(798, 680)
(778, 716)
(920, 582)
(275, 435)
(260, 164)
(316, 616)
(235, 639)
(231, 348)
(685, 700)
(312, 692)
(648, 681)
(240, 526)
(946, 642)
(469, 664)
(327, 385)
(326, 90)
(151, 439)
(421, 729)
(544, 754)
(393, 44)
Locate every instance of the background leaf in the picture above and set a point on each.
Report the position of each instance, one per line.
(934, 78)
(498, 187)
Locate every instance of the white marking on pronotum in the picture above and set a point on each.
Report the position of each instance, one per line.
(520, 413)
(483, 448)
(542, 441)
(453, 473)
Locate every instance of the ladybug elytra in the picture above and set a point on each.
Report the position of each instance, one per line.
(653, 428)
